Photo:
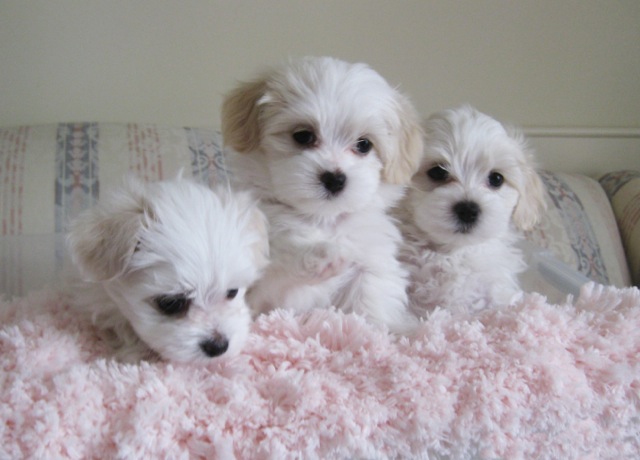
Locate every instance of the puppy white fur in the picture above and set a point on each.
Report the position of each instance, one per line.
(328, 146)
(165, 268)
(476, 187)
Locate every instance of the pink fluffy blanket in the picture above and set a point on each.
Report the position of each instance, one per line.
(533, 381)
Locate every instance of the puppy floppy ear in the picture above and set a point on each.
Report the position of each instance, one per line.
(103, 238)
(401, 165)
(531, 202)
(240, 116)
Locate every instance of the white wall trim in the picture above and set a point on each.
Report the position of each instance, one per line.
(621, 133)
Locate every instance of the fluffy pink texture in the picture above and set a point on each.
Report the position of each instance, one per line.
(533, 381)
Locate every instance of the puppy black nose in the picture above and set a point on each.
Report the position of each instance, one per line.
(467, 213)
(333, 181)
(214, 346)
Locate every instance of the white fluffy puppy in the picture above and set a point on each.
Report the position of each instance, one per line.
(328, 146)
(475, 188)
(165, 267)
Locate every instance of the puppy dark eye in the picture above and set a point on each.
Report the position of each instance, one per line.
(438, 174)
(304, 137)
(172, 305)
(232, 293)
(363, 146)
(496, 179)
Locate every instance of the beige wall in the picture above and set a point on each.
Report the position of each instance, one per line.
(573, 66)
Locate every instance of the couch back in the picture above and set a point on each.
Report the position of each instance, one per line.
(50, 173)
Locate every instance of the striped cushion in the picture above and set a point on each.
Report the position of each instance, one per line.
(49, 173)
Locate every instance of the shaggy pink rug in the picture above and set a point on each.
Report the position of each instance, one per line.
(535, 381)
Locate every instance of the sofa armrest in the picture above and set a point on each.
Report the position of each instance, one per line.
(579, 229)
(623, 189)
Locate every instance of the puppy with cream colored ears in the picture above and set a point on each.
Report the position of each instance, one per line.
(165, 268)
(328, 146)
(475, 189)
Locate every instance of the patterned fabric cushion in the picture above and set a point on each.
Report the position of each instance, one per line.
(623, 189)
(579, 228)
(49, 173)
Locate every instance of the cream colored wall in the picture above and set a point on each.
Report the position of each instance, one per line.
(573, 66)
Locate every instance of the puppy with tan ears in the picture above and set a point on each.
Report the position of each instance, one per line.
(328, 146)
(476, 187)
(165, 268)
